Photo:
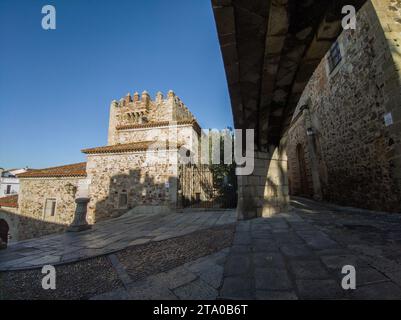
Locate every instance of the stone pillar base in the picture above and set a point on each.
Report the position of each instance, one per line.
(265, 192)
(78, 228)
(80, 223)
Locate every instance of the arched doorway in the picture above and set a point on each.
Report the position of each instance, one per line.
(4, 230)
(303, 182)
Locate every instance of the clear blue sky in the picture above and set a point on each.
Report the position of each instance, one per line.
(56, 86)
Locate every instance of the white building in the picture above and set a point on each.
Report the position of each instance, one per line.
(9, 183)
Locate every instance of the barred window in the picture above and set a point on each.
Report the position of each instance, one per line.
(334, 56)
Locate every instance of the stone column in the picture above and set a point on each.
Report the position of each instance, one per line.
(80, 223)
(264, 192)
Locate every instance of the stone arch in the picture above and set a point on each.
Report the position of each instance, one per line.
(4, 229)
(13, 221)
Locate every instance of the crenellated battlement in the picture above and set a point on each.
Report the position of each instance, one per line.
(142, 105)
(139, 101)
(140, 109)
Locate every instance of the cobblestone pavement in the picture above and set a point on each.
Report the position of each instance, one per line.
(192, 267)
(196, 280)
(79, 280)
(172, 268)
(294, 255)
(300, 255)
(107, 237)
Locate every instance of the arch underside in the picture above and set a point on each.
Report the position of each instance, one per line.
(270, 50)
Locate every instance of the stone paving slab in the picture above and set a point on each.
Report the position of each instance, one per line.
(378, 291)
(237, 288)
(294, 255)
(107, 237)
(300, 255)
(196, 280)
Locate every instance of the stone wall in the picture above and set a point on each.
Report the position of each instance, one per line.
(264, 192)
(169, 109)
(181, 133)
(354, 155)
(146, 185)
(10, 215)
(298, 139)
(32, 197)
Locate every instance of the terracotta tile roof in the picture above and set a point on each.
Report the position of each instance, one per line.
(128, 147)
(71, 170)
(158, 124)
(9, 201)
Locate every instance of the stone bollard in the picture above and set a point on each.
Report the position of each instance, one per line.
(80, 223)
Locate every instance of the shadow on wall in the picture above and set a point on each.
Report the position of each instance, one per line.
(264, 192)
(134, 190)
(14, 227)
(123, 193)
(153, 191)
(394, 141)
(358, 156)
(301, 172)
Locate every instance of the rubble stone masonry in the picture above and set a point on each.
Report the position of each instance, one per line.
(357, 156)
(146, 185)
(131, 111)
(32, 220)
(10, 215)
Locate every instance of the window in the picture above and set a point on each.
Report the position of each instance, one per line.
(50, 208)
(334, 56)
(123, 200)
(8, 190)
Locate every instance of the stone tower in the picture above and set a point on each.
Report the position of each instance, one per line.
(140, 112)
